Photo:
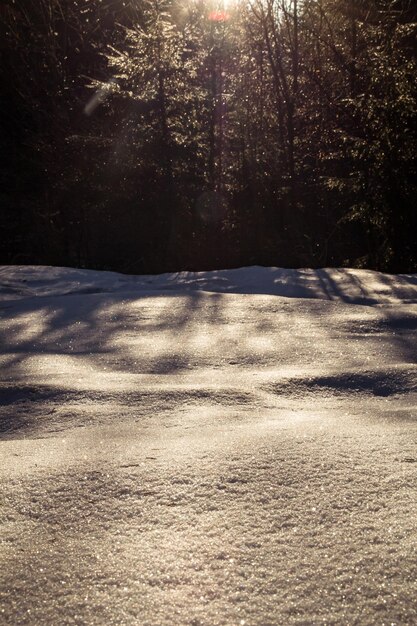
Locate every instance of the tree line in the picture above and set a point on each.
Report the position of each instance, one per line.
(156, 135)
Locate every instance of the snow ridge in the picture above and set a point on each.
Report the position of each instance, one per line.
(338, 284)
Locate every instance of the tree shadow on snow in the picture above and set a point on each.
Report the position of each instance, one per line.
(55, 349)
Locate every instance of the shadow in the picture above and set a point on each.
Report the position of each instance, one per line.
(345, 285)
(65, 357)
(385, 383)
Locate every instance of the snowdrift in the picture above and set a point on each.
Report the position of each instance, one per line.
(347, 285)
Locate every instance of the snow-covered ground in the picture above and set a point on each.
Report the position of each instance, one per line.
(233, 448)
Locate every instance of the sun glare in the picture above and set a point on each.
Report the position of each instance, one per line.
(222, 12)
(218, 16)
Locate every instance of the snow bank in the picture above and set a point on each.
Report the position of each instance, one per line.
(338, 284)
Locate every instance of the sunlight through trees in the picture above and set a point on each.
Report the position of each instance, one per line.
(158, 135)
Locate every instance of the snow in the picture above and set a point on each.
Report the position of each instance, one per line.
(214, 448)
(347, 285)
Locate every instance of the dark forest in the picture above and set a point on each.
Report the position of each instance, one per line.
(164, 135)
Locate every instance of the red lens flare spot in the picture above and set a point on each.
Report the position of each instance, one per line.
(218, 16)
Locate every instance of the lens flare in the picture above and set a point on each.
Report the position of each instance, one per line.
(100, 96)
(218, 16)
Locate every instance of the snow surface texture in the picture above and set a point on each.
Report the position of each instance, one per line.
(218, 448)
